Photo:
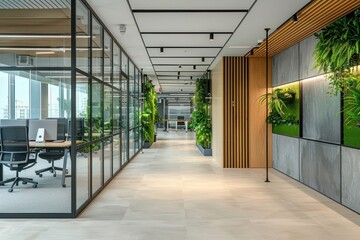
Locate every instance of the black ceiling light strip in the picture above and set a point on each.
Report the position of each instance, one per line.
(189, 10)
(198, 33)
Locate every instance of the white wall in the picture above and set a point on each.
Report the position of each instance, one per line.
(217, 91)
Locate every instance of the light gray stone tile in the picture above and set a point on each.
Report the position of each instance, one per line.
(285, 66)
(321, 111)
(286, 155)
(320, 167)
(307, 47)
(350, 169)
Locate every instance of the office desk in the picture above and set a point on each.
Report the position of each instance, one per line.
(65, 145)
(186, 121)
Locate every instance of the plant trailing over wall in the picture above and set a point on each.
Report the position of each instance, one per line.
(201, 116)
(338, 51)
(278, 102)
(150, 113)
(352, 111)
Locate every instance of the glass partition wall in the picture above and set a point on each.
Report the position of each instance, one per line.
(70, 69)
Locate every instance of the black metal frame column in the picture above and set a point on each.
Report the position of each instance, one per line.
(73, 108)
(267, 101)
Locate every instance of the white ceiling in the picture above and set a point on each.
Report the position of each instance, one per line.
(182, 27)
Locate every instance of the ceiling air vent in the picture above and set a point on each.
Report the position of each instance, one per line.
(24, 60)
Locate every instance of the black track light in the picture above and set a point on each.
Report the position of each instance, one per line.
(203, 59)
(194, 67)
(178, 77)
(211, 38)
(179, 66)
(294, 18)
(190, 77)
(252, 52)
(178, 73)
(161, 49)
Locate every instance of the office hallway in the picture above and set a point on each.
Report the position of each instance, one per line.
(172, 192)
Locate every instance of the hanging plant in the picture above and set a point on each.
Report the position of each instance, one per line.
(337, 52)
(352, 111)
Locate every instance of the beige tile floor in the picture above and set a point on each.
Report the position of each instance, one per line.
(172, 192)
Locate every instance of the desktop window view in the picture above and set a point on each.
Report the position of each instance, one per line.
(38, 92)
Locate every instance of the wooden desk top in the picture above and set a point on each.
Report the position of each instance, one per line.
(65, 144)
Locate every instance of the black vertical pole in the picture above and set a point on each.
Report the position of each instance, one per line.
(267, 100)
(73, 109)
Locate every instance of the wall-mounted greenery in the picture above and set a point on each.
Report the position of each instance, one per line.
(352, 118)
(284, 109)
(201, 116)
(338, 55)
(150, 113)
(338, 51)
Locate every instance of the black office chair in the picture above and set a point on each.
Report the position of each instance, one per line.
(15, 154)
(54, 154)
(181, 124)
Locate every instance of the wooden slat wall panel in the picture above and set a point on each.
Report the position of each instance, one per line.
(257, 114)
(236, 125)
(311, 19)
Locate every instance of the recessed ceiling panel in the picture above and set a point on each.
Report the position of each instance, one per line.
(183, 68)
(178, 89)
(181, 60)
(181, 78)
(184, 52)
(188, 22)
(184, 40)
(182, 73)
(191, 4)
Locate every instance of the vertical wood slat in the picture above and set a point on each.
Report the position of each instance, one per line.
(236, 137)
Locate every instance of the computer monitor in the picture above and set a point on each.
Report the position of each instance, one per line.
(80, 128)
(62, 127)
(49, 125)
(14, 122)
